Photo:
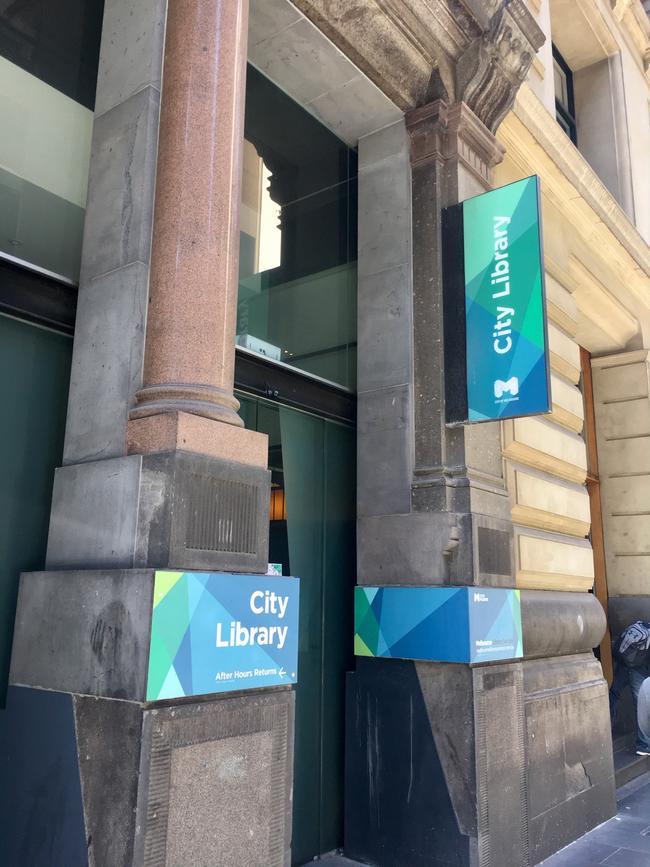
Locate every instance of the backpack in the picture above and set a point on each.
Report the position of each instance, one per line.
(633, 644)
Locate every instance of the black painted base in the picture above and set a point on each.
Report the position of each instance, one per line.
(452, 766)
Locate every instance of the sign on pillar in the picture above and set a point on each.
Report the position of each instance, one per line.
(496, 343)
(217, 632)
(440, 624)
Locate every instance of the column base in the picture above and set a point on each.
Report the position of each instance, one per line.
(192, 433)
(202, 400)
(461, 764)
(174, 509)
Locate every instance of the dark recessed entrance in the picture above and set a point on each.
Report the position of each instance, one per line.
(312, 536)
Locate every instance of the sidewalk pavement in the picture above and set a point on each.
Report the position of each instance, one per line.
(623, 841)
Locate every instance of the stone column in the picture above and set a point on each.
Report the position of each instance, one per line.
(452, 762)
(189, 355)
(179, 485)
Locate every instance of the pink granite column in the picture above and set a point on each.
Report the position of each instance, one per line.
(189, 354)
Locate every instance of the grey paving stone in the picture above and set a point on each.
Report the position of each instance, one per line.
(623, 841)
(591, 851)
(624, 832)
(627, 858)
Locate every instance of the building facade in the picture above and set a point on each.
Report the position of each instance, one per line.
(223, 344)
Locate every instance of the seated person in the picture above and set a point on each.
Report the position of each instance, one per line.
(631, 667)
(643, 709)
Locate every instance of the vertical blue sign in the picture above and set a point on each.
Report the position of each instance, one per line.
(506, 363)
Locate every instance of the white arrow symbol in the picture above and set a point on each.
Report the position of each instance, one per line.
(282, 672)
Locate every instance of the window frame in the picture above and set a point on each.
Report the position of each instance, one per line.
(566, 119)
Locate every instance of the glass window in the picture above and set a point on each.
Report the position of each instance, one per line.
(49, 52)
(564, 101)
(297, 272)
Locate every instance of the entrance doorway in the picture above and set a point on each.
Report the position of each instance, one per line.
(312, 536)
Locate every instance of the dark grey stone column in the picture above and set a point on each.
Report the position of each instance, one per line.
(483, 766)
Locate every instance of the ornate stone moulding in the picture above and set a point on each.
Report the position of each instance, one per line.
(416, 51)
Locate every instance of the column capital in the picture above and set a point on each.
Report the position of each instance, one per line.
(443, 132)
(493, 66)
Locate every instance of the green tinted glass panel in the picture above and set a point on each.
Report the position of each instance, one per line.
(312, 534)
(297, 282)
(34, 375)
(49, 55)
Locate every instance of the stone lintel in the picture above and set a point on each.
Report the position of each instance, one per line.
(621, 359)
(415, 51)
(193, 433)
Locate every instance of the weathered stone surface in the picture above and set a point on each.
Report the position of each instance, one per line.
(121, 185)
(171, 509)
(94, 514)
(559, 623)
(108, 744)
(570, 772)
(131, 51)
(111, 314)
(384, 461)
(418, 51)
(216, 783)
(84, 632)
(107, 362)
(390, 736)
(494, 760)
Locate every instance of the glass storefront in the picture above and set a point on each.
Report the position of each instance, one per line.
(49, 51)
(297, 308)
(297, 278)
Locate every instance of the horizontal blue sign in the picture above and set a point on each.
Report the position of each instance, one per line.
(442, 624)
(216, 632)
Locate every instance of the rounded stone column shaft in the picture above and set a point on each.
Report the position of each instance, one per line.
(189, 354)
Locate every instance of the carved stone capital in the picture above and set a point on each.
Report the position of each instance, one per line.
(493, 67)
(452, 132)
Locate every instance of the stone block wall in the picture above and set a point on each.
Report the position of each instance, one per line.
(546, 468)
(622, 399)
